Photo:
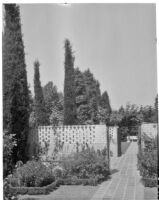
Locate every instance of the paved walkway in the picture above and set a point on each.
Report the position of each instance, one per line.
(125, 183)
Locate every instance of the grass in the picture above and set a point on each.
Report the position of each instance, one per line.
(124, 146)
(72, 192)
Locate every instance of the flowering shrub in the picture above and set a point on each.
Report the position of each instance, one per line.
(31, 174)
(86, 164)
(58, 172)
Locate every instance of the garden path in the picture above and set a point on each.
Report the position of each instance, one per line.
(125, 183)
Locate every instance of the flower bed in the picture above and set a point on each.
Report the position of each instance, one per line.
(87, 167)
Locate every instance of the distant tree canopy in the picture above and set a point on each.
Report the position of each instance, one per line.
(69, 86)
(91, 107)
(41, 116)
(50, 94)
(129, 118)
(15, 87)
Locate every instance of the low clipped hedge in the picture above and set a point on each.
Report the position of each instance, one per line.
(150, 182)
(34, 190)
(49, 188)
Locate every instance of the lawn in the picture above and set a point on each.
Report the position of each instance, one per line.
(124, 146)
(72, 192)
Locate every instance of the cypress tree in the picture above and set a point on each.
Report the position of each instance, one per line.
(69, 87)
(105, 103)
(93, 95)
(41, 117)
(15, 87)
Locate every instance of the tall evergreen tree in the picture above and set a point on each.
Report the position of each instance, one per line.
(15, 88)
(69, 86)
(41, 117)
(92, 93)
(87, 91)
(156, 109)
(50, 94)
(105, 103)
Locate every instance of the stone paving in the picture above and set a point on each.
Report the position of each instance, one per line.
(125, 182)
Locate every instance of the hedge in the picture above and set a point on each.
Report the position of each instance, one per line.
(34, 190)
(47, 189)
(149, 182)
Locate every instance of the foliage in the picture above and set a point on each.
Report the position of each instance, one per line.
(69, 86)
(88, 97)
(6, 193)
(58, 172)
(32, 174)
(81, 98)
(104, 102)
(56, 116)
(155, 119)
(115, 118)
(15, 87)
(51, 96)
(103, 115)
(34, 190)
(123, 131)
(41, 116)
(8, 143)
(53, 103)
(86, 164)
(148, 168)
(147, 162)
(93, 95)
(129, 118)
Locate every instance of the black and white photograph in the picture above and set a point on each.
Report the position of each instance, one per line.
(79, 101)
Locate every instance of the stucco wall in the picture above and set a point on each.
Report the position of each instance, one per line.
(92, 135)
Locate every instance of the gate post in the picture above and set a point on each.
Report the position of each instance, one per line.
(108, 147)
(118, 143)
(139, 140)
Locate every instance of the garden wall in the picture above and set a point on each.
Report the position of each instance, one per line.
(113, 132)
(71, 136)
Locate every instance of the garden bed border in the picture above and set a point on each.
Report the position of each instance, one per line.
(51, 187)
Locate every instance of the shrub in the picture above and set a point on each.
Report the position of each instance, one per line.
(147, 162)
(32, 174)
(6, 193)
(85, 164)
(58, 172)
(74, 180)
(9, 143)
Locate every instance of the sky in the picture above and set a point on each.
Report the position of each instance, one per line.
(117, 42)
